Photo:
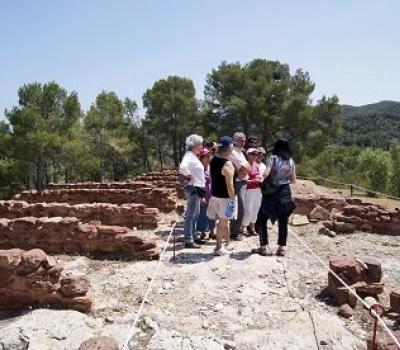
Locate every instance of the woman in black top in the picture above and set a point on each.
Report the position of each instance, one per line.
(279, 205)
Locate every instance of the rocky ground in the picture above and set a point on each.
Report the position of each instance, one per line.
(202, 302)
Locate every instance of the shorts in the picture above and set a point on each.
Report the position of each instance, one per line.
(217, 208)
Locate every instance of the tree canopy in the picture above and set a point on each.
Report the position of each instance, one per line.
(47, 137)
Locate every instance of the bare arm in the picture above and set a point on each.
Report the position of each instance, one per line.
(228, 171)
(293, 178)
(267, 172)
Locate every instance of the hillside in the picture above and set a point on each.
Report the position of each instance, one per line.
(375, 125)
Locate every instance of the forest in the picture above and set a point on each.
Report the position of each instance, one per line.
(47, 137)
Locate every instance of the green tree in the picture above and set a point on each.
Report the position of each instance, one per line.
(171, 114)
(395, 153)
(375, 168)
(263, 98)
(108, 130)
(40, 125)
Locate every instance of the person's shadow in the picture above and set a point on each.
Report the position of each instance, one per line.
(192, 257)
(240, 255)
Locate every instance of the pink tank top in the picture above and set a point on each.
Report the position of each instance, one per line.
(254, 172)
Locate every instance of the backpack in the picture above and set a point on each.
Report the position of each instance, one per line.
(269, 186)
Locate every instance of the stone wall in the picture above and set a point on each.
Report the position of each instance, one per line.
(365, 217)
(30, 278)
(130, 215)
(305, 203)
(68, 235)
(162, 198)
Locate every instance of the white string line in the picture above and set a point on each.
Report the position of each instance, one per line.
(125, 346)
(353, 185)
(347, 287)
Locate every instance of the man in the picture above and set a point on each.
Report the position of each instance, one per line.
(221, 204)
(252, 142)
(242, 168)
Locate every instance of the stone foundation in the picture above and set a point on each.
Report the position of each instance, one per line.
(130, 215)
(161, 198)
(68, 235)
(30, 278)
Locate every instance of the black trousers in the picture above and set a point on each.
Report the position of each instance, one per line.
(262, 230)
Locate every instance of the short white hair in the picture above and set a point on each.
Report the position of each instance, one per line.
(193, 140)
(238, 135)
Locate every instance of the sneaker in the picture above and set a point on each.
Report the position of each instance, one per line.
(199, 241)
(192, 245)
(220, 252)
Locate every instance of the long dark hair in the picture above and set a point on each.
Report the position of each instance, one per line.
(282, 149)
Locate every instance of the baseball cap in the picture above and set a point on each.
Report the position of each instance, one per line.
(225, 141)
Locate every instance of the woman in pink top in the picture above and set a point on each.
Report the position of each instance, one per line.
(252, 198)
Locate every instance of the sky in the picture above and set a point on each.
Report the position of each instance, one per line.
(350, 48)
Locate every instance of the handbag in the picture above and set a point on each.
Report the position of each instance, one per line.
(201, 192)
(269, 186)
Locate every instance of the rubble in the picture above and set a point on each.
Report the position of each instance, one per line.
(99, 343)
(30, 278)
(363, 276)
(365, 217)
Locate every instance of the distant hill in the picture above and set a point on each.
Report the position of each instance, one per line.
(372, 125)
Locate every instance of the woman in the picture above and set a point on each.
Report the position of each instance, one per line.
(203, 222)
(192, 168)
(279, 205)
(252, 197)
(260, 160)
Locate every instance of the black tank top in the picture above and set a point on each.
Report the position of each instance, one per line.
(218, 183)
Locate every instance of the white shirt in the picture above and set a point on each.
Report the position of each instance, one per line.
(191, 165)
(239, 160)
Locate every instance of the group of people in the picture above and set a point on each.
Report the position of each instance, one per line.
(232, 189)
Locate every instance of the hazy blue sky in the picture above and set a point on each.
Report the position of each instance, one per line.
(351, 48)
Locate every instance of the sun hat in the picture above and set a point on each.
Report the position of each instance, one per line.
(251, 150)
(204, 152)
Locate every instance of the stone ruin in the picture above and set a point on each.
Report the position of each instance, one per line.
(100, 219)
(129, 215)
(162, 198)
(31, 278)
(365, 217)
(362, 275)
(68, 235)
(347, 215)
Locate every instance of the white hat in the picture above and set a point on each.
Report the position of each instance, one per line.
(252, 150)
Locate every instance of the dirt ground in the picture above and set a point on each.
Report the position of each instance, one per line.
(239, 301)
(202, 302)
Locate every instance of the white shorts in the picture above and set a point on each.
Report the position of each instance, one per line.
(217, 208)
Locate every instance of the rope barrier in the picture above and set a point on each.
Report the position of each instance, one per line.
(351, 185)
(369, 307)
(125, 346)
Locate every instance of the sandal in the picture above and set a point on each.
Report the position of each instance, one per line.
(212, 236)
(280, 252)
(259, 251)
